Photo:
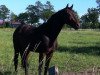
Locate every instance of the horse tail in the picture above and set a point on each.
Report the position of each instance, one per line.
(16, 46)
(16, 50)
(16, 54)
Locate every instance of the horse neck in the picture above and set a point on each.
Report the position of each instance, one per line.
(54, 25)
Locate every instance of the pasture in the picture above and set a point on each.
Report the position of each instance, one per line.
(77, 51)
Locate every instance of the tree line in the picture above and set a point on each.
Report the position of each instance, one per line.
(91, 20)
(38, 12)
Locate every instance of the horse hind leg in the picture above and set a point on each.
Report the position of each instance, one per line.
(16, 54)
(24, 61)
(24, 55)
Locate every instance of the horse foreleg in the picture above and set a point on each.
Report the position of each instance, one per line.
(41, 57)
(48, 58)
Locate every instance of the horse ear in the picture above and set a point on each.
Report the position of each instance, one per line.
(67, 5)
(71, 7)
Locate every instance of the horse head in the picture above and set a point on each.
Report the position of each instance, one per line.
(70, 17)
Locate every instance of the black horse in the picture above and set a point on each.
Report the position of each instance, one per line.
(27, 38)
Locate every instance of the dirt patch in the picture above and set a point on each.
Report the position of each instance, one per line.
(93, 71)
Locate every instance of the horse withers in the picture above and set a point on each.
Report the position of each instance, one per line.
(27, 38)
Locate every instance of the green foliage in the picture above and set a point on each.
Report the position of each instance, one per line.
(7, 25)
(39, 11)
(13, 17)
(46, 14)
(93, 15)
(36, 12)
(48, 10)
(90, 20)
(32, 14)
(23, 17)
(4, 11)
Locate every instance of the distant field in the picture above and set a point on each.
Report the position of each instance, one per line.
(77, 51)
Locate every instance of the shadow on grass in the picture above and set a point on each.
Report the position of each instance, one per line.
(6, 73)
(93, 50)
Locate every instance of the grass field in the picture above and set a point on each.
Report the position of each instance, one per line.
(77, 51)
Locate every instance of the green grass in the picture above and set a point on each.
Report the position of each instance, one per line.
(80, 41)
(77, 51)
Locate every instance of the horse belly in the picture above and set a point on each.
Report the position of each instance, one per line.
(38, 49)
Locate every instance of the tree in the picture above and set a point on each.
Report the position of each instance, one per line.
(39, 11)
(44, 10)
(46, 14)
(4, 12)
(33, 16)
(93, 16)
(90, 20)
(98, 2)
(23, 17)
(48, 10)
(85, 22)
(39, 7)
(12, 17)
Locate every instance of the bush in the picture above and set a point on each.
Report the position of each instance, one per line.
(7, 25)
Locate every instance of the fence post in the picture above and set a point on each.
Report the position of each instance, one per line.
(53, 70)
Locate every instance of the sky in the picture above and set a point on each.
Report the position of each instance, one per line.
(19, 6)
